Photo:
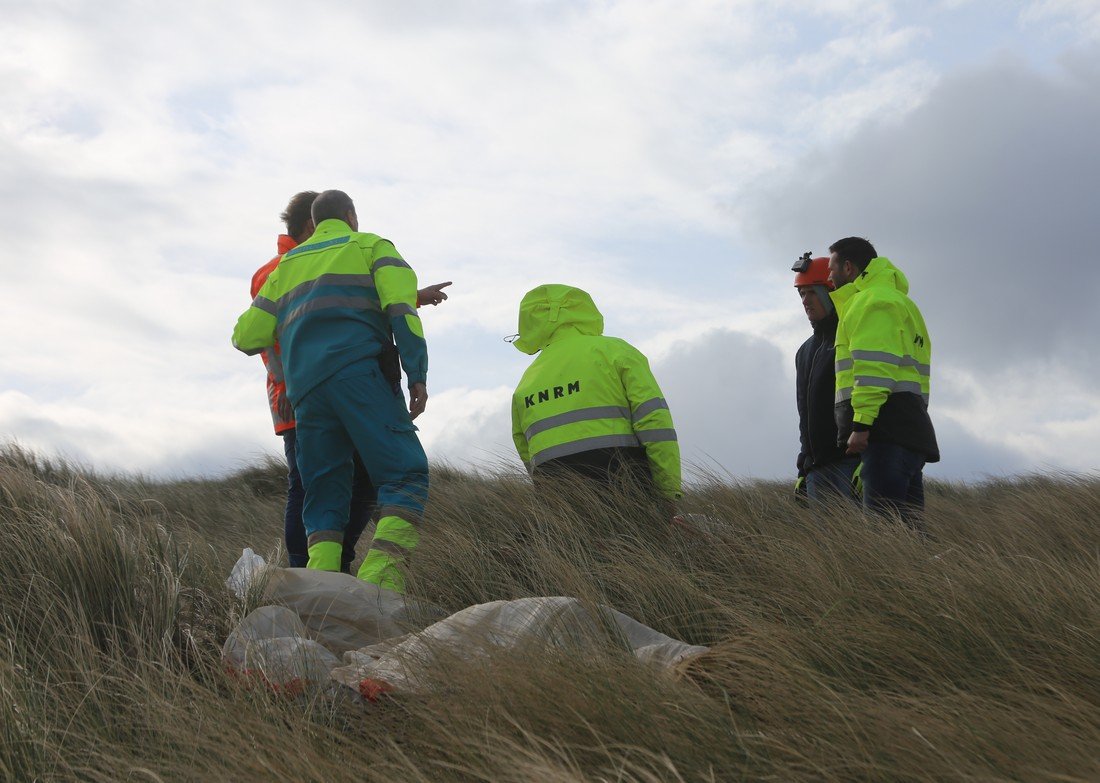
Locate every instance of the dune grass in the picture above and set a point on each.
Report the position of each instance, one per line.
(842, 648)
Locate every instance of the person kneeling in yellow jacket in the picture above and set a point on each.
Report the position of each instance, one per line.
(588, 404)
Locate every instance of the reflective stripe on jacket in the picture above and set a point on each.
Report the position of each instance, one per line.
(883, 360)
(585, 391)
(282, 415)
(332, 301)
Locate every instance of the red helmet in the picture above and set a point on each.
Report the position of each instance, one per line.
(811, 271)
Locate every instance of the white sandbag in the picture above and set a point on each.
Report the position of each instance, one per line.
(472, 632)
(270, 647)
(342, 612)
(320, 615)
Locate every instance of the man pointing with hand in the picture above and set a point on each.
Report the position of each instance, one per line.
(332, 304)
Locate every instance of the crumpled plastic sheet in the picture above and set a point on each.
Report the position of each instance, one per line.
(270, 647)
(316, 616)
(557, 621)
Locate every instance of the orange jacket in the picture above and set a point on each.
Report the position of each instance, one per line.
(281, 413)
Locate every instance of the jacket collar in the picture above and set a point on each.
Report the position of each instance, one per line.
(826, 325)
(842, 297)
(880, 273)
(286, 243)
(327, 229)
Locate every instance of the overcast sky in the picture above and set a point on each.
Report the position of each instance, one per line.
(672, 157)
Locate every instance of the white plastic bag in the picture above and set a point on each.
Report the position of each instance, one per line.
(270, 647)
(247, 568)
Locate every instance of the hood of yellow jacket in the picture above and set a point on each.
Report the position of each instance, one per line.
(553, 311)
(880, 273)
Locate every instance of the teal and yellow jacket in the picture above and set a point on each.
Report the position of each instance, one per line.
(883, 361)
(585, 391)
(334, 300)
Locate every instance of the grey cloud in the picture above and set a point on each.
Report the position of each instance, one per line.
(732, 403)
(49, 438)
(973, 458)
(732, 400)
(986, 195)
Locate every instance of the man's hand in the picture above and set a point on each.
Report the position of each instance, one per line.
(857, 442)
(432, 295)
(418, 398)
(286, 412)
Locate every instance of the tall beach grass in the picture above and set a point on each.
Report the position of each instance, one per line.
(841, 648)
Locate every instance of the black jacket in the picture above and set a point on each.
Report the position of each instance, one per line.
(816, 390)
(903, 419)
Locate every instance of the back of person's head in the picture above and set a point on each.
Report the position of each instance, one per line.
(332, 204)
(297, 212)
(855, 249)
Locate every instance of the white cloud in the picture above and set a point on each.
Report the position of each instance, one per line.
(145, 157)
(1082, 17)
(469, 425)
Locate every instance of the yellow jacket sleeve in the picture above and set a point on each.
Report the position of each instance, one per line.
(875, 344)
(255, 329)
(651, 421)
(518, 436)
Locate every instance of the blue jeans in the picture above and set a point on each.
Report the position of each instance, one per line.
(828, 482)
(893, 482)
(361, 508)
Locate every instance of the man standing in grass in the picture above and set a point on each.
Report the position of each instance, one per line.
(883, 370)
(299, 228)
(589, 405)
(824, 469)
(332, 304)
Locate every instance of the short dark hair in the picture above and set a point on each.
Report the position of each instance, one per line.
(296, 214)
(332, 204)
(855, 249)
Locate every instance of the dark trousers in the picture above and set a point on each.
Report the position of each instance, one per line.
(832, 481)
(363, 502)
(609, 469)
(893, 481)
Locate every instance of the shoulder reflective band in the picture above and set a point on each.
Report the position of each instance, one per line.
(309, 248)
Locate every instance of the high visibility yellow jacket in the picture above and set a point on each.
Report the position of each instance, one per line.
(334, 300)
(883, 361)
(585, 391)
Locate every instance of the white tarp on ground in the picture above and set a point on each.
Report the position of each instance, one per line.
(320, 615)
(556, 621)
